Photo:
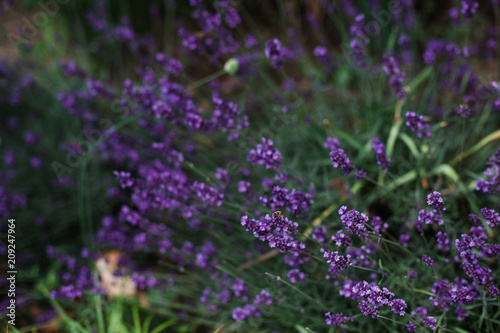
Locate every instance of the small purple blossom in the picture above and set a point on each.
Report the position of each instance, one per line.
(396, 76)
(331, 143)
(244, 187)
(492, 218)
(417, 123)
(412, 275)
(382, 160)
(319, 235)
(265, 154)
(295, 275)
(443, 241)
(338, 261)
(431, 322)
(354, 221)
(428, 261)
(411, 327)
(263, 298)
(337, 319)
(341, 161)
(341, 239)
(276, 53)
(469, 8)
(124, 178)
(398, 306)
(434, 199)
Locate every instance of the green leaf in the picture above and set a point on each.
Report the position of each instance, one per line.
(218, 330)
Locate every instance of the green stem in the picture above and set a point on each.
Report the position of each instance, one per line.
(425, 292)
(296, 289)
(206, 79)
(490, 138)
(396, 125)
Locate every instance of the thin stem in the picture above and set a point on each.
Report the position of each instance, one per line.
(277, 278)
(205, 80)
(490, 138)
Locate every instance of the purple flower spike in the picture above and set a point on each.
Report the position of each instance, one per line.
(337, 319)
(396, 76)
(354, 221)
(492, 218)
(411, 327)
(338, 261)
(434, 199)
(276, 53)
(341, 161)
(124, 178)
(382, 160)
(469, 8)
(428, 261)
(265, 154)
(331, 143)
(417, 123)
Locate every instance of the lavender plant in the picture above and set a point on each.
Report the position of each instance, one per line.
(222, 176)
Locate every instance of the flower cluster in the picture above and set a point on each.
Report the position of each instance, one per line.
(265, 154)
(294, 201)
(354, 221)
(434, 199)
(275, 230)
(491, 182)
(480, 274)
(371, 298)
(337, 319)
(418, 124)
(324, 58)
(337, 262)
(396, 76)
(341, 161)
(277, 53)
(469, 8)
(382, 160)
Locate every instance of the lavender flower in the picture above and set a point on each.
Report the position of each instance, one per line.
(412, 275)
(417, 123)
(396, 76)
(382, 160)
(263, 298)
(337, 319)
(244, 187)
(411, 327)
(331, 143)
(434, 199)
(492, 218)
(339, 262)
(296, 275)
(341, 239)
(341, 161)
(265, 154)
(294, 201)
(469, 8)
(372, 297)
(324, 58)
(354, 221)
(428, 261)
(276, 231)
(443, 241)
(124, 178)
(358, 42)
(491, 182)
(245, 313)
(431, 322)
(276, 53)
(319, 235)
(398, 306)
